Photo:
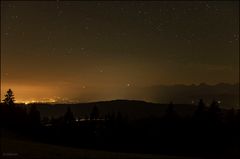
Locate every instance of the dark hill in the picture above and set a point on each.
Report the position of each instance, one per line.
(133, 109)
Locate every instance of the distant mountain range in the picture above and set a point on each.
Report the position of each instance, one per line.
(184, 97)
(132, 109)
(226, 94)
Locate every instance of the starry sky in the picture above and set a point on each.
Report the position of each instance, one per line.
(103, 49)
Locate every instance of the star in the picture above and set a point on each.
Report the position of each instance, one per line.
(236, 36)
(207, 5)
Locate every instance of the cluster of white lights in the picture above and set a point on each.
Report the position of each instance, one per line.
(36, 101)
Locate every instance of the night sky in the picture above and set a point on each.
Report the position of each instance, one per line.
(102, 50)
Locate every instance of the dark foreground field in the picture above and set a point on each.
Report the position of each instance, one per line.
(15, 147)
(206, 132)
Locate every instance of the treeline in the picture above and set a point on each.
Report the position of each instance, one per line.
(210, 131)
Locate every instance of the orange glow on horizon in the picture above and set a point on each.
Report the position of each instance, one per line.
(26, 102)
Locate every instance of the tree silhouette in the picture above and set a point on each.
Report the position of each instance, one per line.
(9, 98)
(171, 114)
(237, 120)
(201, 112)
(170, 109)
(95, 113)
(69, 117)
(230, 117)
(201, 106)
(8, 111)
(214, 108)
(215, 112)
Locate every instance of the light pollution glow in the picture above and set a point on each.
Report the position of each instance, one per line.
(89, 51)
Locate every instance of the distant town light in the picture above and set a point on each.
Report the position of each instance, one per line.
(26, 102)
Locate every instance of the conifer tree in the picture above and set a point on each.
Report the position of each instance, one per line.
(9, 98)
